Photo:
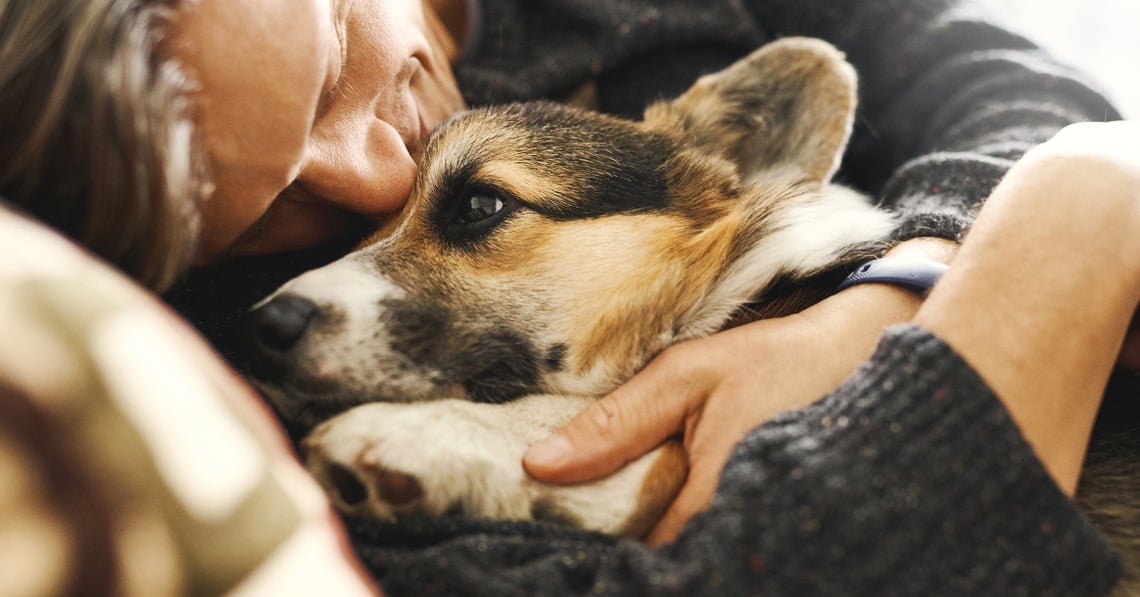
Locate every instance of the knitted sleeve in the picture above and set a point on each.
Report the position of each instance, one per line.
(948, 100)
(910, 479)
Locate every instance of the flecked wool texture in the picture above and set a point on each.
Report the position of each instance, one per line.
(908, 480)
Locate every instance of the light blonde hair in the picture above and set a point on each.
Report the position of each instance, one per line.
(95, 134)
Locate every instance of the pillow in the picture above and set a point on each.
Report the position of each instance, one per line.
(132, 460)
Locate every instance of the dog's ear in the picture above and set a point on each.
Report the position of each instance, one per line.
(789, 104)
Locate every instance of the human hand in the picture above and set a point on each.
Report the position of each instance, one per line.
(715, 390)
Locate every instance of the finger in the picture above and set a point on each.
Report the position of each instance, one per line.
(627, 423)
(708, 455)
(694, 498)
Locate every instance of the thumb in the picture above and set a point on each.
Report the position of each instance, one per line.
(632, 420)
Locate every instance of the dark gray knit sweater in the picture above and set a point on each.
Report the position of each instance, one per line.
(910, 479)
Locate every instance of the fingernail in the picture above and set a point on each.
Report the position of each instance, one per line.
(548, 451)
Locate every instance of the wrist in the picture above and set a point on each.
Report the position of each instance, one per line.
(930, 247)
(848, 325)
(1039, 300)
(845, 327)
(866, 309)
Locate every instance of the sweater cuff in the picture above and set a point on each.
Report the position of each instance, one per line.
(914, 462)
(939, 194)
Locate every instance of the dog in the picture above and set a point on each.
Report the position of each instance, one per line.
(546, 254)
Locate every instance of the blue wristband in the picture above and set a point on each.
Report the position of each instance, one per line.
(918, 275)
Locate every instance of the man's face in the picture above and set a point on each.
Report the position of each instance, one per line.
(310, 111)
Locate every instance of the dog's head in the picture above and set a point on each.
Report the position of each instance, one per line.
(551, 249)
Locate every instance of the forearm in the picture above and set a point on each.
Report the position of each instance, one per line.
(1041, 294)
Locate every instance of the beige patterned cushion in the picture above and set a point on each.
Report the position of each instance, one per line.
(132, 461)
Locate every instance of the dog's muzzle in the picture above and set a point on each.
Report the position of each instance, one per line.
(271, 330)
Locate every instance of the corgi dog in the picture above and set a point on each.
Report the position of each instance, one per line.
(546, 254)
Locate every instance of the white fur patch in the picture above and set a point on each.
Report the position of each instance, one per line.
(804, 237)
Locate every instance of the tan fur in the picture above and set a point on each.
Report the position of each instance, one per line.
(656, 272)
(523, 181)
(667, 473)
(792, 67)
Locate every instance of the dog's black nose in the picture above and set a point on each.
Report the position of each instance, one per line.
(273, 328)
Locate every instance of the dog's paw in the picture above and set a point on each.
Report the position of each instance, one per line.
(394, 461)
(391, 462)
(364, 485)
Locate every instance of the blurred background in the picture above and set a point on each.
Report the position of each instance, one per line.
(1101, 37)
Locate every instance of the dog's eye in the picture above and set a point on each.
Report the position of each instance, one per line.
(473, 213)
(478, 207)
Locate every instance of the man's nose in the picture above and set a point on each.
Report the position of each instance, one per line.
(361, 167)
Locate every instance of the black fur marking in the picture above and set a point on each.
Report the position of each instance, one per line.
(615, 166)
(493, 364)
(555, 357)
(507, 368)
(546, 510)
(416, 331)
